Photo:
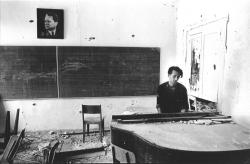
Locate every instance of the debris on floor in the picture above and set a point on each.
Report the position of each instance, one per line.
(206, 121)
(206, 106)
(33, 144)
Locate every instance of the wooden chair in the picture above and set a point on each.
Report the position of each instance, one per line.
(49, 154)
(92, 110)
(7, 151)
(12, 148)
(6, 136)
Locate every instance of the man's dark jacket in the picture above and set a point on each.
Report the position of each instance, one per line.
(172, 101)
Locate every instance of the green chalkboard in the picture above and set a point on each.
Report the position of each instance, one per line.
(108, 71)
(28, 72)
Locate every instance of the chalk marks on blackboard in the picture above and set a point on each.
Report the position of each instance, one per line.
(27, 76)
(108, 71)
(27, 72)
(73, 66)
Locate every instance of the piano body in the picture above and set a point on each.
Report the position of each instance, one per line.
(179, 138)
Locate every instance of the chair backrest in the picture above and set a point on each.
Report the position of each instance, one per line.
(12, 146)
(16, 146)
(91, 109)
(49, 153)
(16, 122)
(53, 152)
(8, 149)
(7, 129)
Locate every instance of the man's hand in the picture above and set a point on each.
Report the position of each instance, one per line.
(183, 110)
(158, 108)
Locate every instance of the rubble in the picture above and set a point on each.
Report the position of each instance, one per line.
(31, 149)
(51, 132)
(42, 146)
(203, 122)
(206, 121)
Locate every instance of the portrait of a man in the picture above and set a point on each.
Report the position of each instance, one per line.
(50, 23)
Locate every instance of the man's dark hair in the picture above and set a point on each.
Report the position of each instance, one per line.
(175, 68)
(54, 15)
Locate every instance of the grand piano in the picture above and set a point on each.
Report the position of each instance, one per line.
(179, 138)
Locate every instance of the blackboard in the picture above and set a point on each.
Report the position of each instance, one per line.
(28, 72)
(108, 71)
(43, 72)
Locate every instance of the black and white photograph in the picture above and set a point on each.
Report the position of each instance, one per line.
(125, 81)
(50, 23)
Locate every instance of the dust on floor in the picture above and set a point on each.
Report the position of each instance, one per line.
(31, 148)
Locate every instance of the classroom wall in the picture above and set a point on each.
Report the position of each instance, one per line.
(235, 89)
(126, 23)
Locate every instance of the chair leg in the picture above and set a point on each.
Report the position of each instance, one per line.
(103, 132)
(84, 128)
(16, 122)
(88, 129)
(100, 131)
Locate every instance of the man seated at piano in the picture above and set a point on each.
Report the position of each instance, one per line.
(171, 95)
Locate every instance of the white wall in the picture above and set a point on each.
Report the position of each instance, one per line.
(112, 23)
(235, 91)
(64, 113)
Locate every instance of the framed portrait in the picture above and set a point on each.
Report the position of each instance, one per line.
(50, 23)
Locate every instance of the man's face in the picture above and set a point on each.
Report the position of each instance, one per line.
(173, 78)
(49, 23)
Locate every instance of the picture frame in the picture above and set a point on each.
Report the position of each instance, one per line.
(50, 23)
